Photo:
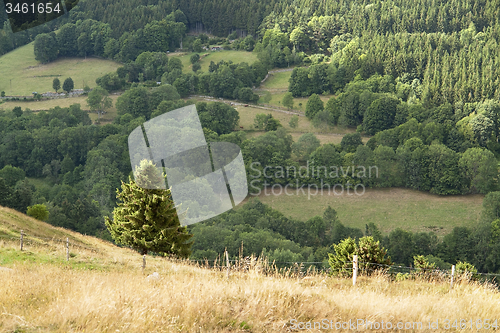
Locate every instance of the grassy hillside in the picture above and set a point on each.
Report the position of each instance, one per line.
(103, 289)
(388, 208)
(278, 80)
(28, 75)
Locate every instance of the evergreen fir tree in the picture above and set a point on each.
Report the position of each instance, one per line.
(146, 218)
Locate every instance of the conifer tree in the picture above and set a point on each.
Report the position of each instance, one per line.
(146, 218)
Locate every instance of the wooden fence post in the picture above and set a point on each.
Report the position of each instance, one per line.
(452, 276)
(22, 235)
(227, 263)
(354, 269)
(67, 249)
(143, 263)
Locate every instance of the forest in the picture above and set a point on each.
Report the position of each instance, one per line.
(421, 79)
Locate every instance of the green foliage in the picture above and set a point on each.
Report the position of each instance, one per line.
(56, 84)
(480, 170)
(266, 122)
(68, 85)
(350, 142)
(272, 125)
(134, 101)
(197, 45)
(313, 106)
(304, 147)
(44, 48)
(246, 95)
(99, 101)
(372, 230)
(218, 117)
(194, 58)
(491, 207)
(368, 251)
(266, 231)
(11, 175)
(466, 270)
(39, 212)
(380, 115)
(146, 218)
(341, 262)
(423, 268)
(111, 82)
(196, 67)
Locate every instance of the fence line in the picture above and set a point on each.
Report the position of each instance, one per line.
(349, 266)
(25, 239)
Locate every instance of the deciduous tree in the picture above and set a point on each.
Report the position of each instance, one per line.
(56, 84)
(68, 85)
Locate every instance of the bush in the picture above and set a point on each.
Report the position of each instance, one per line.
(466, 271)
(368, 250)
(194, 58)
(39, 212)
(196, 67)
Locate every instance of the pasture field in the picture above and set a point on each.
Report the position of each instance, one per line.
(27, 75)
(299, 103)
(326, 135)
(63, 103)
(277, 81)
(388, 208)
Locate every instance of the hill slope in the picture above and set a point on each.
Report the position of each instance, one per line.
(110, 293)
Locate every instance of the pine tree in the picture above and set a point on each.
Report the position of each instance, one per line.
(146, 218)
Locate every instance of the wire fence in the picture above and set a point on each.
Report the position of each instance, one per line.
(290, 268)
(27, 239)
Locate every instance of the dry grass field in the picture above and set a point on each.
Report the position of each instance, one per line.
(103, 289)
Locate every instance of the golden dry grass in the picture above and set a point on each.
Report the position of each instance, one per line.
(52, 298)
(105, 290)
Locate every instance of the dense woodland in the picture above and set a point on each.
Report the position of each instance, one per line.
(420, 77)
